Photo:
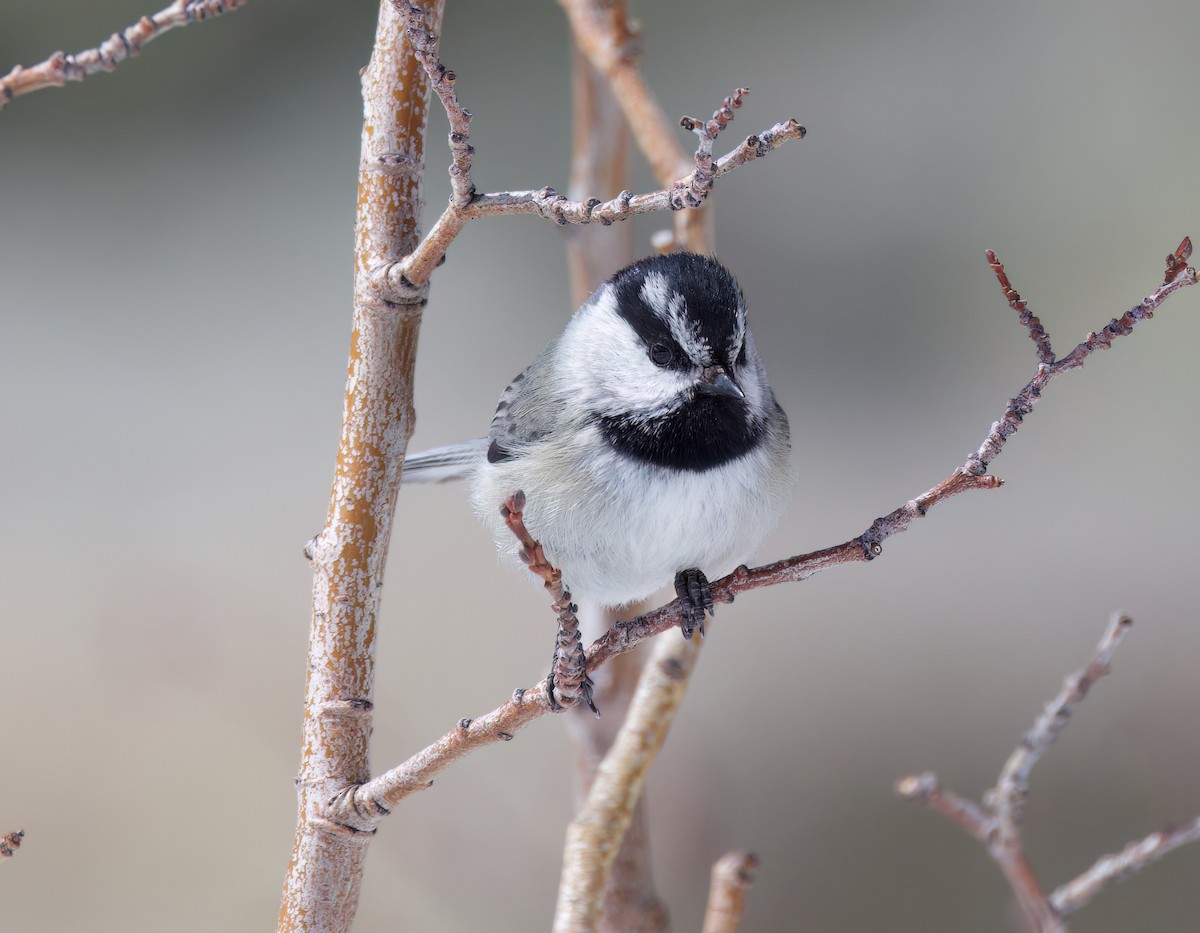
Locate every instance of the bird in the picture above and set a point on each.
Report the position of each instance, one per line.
(646, 439)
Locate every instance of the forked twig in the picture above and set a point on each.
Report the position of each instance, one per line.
(467, 204)
(997, 823)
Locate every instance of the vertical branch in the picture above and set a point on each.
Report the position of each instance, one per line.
(610, 45)
(594, 837)
(325, 871)
(732, 875)
(600, 167)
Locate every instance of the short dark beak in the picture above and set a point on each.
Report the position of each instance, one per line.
(715, 380)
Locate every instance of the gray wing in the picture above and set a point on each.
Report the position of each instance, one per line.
(528, 410)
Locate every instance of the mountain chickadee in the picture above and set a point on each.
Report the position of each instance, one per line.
(646, 439)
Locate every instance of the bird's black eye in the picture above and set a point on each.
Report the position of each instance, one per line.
(661, 355)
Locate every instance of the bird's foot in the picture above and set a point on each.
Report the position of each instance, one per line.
(695, 598)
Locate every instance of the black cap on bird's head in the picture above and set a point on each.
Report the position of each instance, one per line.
(688, 311)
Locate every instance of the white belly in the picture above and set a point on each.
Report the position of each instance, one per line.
(620, 530)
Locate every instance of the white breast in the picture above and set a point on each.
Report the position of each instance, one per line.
(619, 530)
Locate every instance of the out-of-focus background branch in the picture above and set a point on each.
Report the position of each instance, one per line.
(170, 412)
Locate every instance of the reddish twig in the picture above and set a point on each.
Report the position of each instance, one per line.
(9, 843)
(1037, 333)
(60, 67)
(568, 684)
(1179, 274)
(997, 823)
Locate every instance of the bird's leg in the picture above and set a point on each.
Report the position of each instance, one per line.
(695, 598)
(569, 683)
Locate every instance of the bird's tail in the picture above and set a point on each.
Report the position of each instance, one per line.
(440, 464)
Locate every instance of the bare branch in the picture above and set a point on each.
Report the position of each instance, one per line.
(1037, 333)
(702, 176)
(466, 204)
(997, 824)
(1112, 869)
(600, 165)
(1178, 275)
(60, 68)
(387, 790)
(1006, 798)
(965, 814)
(348, 556)
(9, 843)
(732, 875)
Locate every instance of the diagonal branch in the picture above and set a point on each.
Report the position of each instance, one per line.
(60, 67)
(385, 791)
(1111, 869)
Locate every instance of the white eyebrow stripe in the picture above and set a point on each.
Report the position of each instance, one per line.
(655, 293)
(686, 331)
(671, 308)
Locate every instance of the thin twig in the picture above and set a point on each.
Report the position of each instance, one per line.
(425, 46)
(703, 174)
(1006, 798)
(1178, 275)
(997, 823)
(1037, 333)
(569, 682)
(60, 67)
(1111, 869)
(9, 843)
(732, 876)
(965, 814)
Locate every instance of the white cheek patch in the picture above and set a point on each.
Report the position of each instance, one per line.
(752, 377)
(603, 367)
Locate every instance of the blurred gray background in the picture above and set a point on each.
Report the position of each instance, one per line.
(175, 283)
